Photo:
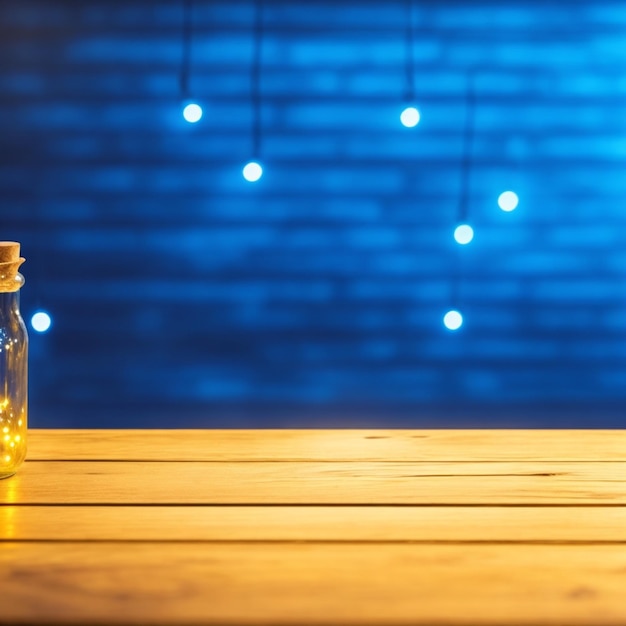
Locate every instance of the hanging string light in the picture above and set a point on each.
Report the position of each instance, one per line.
(517, 147)
(410, 115)
(508, 201)
(253, 170)
(453, 320)
(41, 321)
(36, 272)
(463, 233)
(192, 111)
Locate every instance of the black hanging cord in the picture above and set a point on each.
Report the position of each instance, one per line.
(465, 187)
(410, 51)
(455, 292)
(468, 149)
(255, 79)
(186, 56)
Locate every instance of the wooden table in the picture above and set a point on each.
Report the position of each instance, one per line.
(316, 527)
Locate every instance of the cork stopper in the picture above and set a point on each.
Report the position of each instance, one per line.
(9, 251)
(10, 261)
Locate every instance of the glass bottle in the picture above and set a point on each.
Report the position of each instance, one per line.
(13, 363)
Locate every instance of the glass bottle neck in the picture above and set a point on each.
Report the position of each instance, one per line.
(10, 294)
(9, 303)
(10, 283)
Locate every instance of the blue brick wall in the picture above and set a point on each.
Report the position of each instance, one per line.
(182, 295)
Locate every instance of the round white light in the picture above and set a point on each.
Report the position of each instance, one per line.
(410, 117)
(252, 171)
(192, 113)
(41, 322)
(453, 320)
(463, 234)
(508, 201)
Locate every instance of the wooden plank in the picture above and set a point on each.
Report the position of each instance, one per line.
(289, 523)
(114, 482)
(312, 584)
(329, 445)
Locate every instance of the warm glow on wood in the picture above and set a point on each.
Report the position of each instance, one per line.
(324, 527)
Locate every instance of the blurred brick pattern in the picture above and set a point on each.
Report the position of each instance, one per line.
(176, 287)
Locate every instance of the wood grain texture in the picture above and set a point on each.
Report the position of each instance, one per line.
(329, 445)
(319, 584)
(119, 482)
(295, 523)
(316, 527)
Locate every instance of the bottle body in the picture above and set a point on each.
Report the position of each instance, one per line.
(13, 381)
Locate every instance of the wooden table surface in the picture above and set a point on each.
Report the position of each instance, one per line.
(316, 527)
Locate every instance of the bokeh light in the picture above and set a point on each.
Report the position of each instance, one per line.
(410, 117)
(252, 171)
(41, 322)
(453, 320)
(192, 113)
(508, 201)
(463, 234)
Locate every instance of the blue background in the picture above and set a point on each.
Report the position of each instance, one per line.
(181, 295)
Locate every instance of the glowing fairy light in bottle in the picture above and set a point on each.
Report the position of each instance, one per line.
(13, 362)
